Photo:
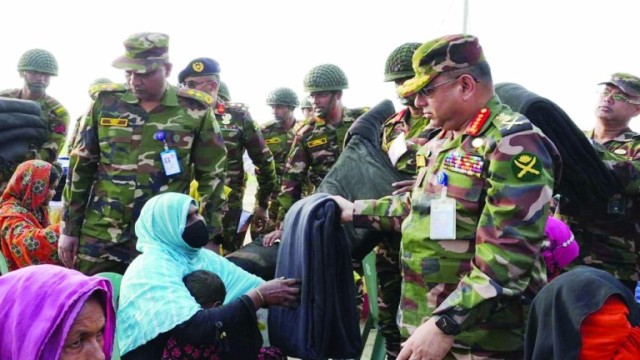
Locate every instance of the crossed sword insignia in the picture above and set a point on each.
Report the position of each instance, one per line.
(527, 168)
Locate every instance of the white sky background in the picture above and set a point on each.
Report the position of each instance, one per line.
(558, 49)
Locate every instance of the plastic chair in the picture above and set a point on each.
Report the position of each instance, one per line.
(4, 268)
(371, 286)
(116, 280)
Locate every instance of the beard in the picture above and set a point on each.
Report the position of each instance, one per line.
(37, 89)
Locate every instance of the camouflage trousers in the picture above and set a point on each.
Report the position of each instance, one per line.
(459, 352)
(96, 256)
(389, 285)
(232, 241)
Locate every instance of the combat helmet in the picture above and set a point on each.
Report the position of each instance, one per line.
(283, 96)
(398, 64)
(38, 60)
(223, 92)
(325, 77)
(306, 103)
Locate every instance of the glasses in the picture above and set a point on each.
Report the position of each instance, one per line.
(192, 84)
(605, 93)
(429, 90)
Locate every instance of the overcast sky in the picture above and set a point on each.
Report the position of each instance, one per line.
(558, 49)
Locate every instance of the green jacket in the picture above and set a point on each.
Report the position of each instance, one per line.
(115, 164)
(501, 176)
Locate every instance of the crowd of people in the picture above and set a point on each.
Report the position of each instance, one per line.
(491, 259)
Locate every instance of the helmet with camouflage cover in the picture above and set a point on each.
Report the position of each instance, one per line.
(38, 60)
(325, 77)
(398, 64)
(223, 92)
(283, 96)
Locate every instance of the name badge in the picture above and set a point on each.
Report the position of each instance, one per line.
(317, 142)
(114, 122)
(443, 219)
(170, 162)
(272, 141)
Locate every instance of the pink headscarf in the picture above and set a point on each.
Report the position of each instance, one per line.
(562, 247)
(38, 305)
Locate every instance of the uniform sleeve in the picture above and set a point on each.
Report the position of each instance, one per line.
(209, 160)
(83, 166)
(295, 175)
(58, 123)
(25, 243)
(263, 160)
(510, 229)
(625, 170)
(384, 214)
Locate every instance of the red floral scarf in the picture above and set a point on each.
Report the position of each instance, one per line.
(25, 233)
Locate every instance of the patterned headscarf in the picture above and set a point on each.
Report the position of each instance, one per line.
(28, 189)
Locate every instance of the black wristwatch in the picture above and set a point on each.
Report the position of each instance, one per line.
(447, 325)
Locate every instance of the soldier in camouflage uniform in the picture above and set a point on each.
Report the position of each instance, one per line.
(319, 141)
(240, 134)
(610, 240)
(278, 136)
(150, 139)
(473, 226)
(411, 127)
(36, 66)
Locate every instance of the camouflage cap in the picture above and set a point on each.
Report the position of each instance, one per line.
(628, 83)
(144, 52)
(447, 53)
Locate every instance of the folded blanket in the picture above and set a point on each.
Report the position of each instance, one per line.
(315, 249)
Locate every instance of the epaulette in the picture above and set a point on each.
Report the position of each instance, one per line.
(512, 123)
(94, 90)
(200, 96)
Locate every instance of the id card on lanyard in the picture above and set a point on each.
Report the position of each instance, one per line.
(443, 214)
(169, 157)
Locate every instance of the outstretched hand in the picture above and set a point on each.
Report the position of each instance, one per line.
(281, 291)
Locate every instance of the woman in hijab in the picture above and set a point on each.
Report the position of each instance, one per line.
(155, 303)
(25, 233)
(54, 313)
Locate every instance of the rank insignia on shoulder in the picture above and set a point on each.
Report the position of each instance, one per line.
(317, 142)
(526, 166)
(272, 141)
(114, 122)
(421, 161)
(478, 122)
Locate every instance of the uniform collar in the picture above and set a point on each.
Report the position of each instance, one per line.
(626, 135)
(170, 97)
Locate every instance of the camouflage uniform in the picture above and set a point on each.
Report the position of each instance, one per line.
(240, 133)
(115, 165)
(414, 129)
(611, 242)
(57, 118)
(317, 144)
(500, 173)
(315, 149)
(279, 142)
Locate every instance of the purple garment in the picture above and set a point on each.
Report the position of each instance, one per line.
(562, 248)
(38, 305)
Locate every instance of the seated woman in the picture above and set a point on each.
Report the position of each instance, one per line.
(26, 236)
(51, 312)
(584, 313)
(155, 304)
